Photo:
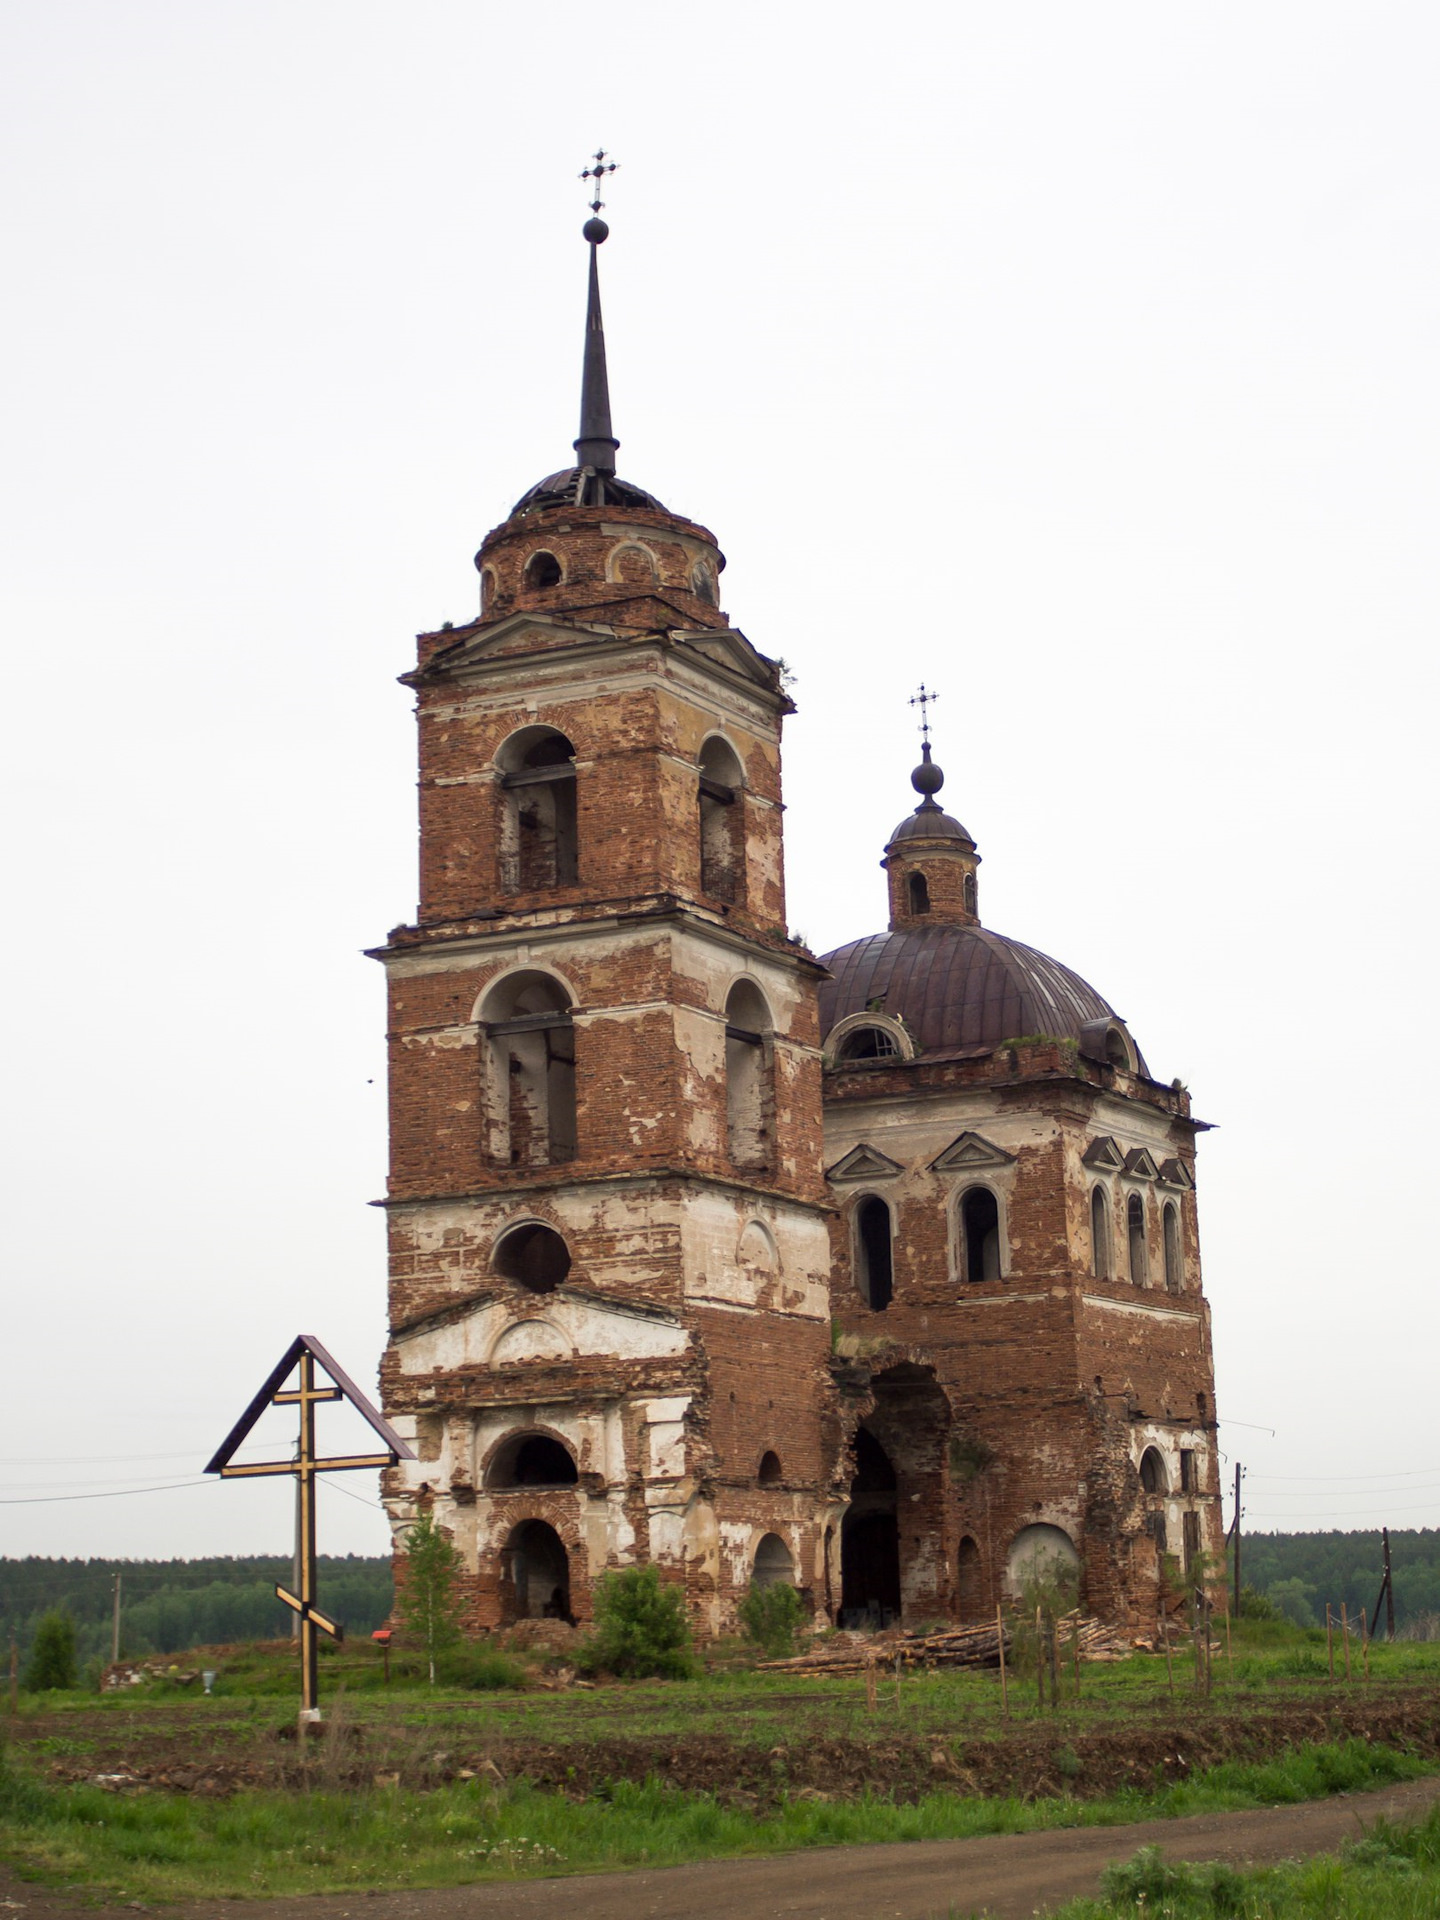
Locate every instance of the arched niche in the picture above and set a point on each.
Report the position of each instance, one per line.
(774, 1563)
(1040, 1554)
(531, 1459)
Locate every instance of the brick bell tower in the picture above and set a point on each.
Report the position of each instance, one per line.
(609, 1257)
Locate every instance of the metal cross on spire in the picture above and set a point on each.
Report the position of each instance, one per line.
(924, 699)
(603, 165)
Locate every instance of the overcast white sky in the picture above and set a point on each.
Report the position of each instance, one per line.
(1078, 360)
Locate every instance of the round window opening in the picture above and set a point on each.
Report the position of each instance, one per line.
(535, 1257)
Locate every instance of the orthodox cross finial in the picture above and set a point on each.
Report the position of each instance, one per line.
(596, 174)
(924, 699)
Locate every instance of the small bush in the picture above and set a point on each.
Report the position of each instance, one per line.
(481, 1669)
(640, 1627)
(52, 1657)
(770, 1617)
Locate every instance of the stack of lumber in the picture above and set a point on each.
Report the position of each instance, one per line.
(852, 1653)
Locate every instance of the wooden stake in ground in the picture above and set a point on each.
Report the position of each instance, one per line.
(1229, 1656)
(1075, 1654)
(870, 1683)
(115, 1628)
(1039, 1665)
(1364, 1644)
(1345, 1637)
(1330, 1638)
(1169, 1665)
(897, 1680)
(1000, 1643)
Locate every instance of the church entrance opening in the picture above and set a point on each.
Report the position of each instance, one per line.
(538, 1587)
(899, 1502)
(870, 1540)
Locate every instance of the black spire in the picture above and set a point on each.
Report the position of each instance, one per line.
(597, 443)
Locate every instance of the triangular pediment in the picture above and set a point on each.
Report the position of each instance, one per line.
(728, 647)
(1174, 1173)
(970, 1150)
(1103, 1154)
(520, 633)
(864, 1163)
(1140, 1166)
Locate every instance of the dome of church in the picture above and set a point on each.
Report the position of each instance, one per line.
(929, 823)
(959, 989)
(584, 487)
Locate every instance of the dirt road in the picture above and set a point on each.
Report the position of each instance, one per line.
(1003, 1875)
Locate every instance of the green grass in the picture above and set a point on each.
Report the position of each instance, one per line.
(159, 1847)
(1393, 1873)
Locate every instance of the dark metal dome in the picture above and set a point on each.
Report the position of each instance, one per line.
(929, 823)
(581, 487)
(959, 989)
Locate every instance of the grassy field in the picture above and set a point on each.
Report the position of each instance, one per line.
(1393, 1873)
(163, 1793)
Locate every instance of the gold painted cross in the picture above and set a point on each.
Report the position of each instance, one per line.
(304, 1353)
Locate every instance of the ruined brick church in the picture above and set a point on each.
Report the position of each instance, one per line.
(876, 1273)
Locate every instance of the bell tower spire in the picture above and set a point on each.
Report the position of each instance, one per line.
(597, 445)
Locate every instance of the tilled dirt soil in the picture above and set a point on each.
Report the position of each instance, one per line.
(1028, 1758)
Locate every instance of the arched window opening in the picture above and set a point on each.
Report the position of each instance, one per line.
(722, 822)
(748, 1047)
(534, 1257)
(535, 1574)
(919, 888)
(1100, 1262)
(1116, 1051)
(769, 1474)
(702, 582)
(529, 1072)
(969, 1582)
(874, 1261)
(540, 844)
(868, 1043)
(1153, 1477)
(1135, 1233)
(532, 1460)
(487, 588)
(774, 1564)
(968, 892)
(542, 570)
(980, 1234)
(1174, 1268)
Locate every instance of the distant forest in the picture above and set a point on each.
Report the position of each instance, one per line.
(169, 1605)
(1302, 1573)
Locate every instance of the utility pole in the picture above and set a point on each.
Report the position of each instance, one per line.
(1236, 1530)
(115, 1627)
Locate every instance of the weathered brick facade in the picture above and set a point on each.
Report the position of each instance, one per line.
(631, 1316)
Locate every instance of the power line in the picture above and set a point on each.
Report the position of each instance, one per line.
(50, 1499)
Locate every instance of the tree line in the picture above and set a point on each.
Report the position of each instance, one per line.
(168, 1606)
(1302, 1573)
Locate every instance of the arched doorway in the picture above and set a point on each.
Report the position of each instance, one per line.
(539, 1573)
(870, 1540)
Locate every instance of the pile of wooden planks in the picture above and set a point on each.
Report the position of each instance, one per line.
(852, 1653)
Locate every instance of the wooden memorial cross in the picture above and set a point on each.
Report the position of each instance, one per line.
(306, 1351)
